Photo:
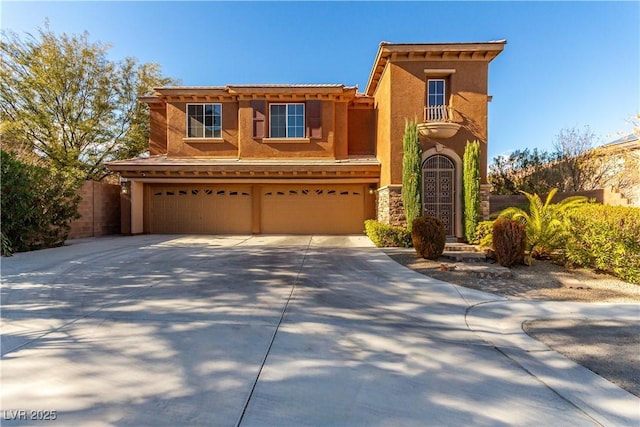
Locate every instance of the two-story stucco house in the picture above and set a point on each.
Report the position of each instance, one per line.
(311, 158)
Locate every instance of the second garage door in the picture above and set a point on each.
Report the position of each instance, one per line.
(308, 209)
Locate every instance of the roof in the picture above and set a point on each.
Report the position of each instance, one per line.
(249, 91)
(627, 138)
(161, 167)
(626, 143)
(475, 51)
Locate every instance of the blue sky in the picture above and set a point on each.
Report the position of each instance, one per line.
(566, 64)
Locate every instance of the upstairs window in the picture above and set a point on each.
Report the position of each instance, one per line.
(286, 121)
(436, 105)
(204, 120)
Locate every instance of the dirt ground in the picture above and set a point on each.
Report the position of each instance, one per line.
(544, 280)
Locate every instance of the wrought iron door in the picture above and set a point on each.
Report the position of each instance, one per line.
(439, 190)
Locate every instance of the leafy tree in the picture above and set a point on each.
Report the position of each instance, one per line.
(575, 164)
(524, 170)
(471, 188)
(64, 99)
(37, 204)
(411, 172)
(545, 225)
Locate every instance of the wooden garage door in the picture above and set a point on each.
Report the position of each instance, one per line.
(307, 209)
(200, 209)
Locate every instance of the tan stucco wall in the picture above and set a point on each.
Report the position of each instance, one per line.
(178, 144)
(402, 95)
(383, 108)
(361, 132)
(341, 130)
(157, 129)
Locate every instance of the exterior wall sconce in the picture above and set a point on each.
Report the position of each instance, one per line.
(124, 188)
(371, 190)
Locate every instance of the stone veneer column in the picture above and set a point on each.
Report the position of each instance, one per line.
(485, 207)
(389, 204)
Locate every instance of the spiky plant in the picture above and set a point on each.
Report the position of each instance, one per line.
(411, 172)
(545, 224)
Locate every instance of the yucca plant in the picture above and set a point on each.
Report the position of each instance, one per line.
(545, 223)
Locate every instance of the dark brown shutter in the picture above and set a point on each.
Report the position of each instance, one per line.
(314, 119)
(259, 113)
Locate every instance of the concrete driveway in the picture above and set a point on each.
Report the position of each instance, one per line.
(268, 330)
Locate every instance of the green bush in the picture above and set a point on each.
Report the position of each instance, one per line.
(484, 230)
(429, 237)
(37, 205)
(411, 172)
(606, 238)
(509, 241)
(471, 188)
(385, 235)
(545, 222)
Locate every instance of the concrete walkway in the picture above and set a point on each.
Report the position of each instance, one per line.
(269, 330)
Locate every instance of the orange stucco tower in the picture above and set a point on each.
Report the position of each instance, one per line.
(444, 86)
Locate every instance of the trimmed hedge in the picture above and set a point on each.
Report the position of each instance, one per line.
(429, 237)
(606, 238)
(385, 235)
(509, 241)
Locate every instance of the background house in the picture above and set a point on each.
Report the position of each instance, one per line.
(310, 158)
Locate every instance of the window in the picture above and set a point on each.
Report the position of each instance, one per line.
(436, 110)
(436, 92)
(286, 121)
(204, 120)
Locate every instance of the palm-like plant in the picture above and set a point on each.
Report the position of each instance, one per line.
(545, 223)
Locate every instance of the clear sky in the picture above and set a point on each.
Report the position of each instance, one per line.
(566, 64)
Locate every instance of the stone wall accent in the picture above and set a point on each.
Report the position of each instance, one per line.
(485, 205)
(99, 210)
(389, 205)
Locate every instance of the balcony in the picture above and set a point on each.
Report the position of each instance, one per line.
(438, 122)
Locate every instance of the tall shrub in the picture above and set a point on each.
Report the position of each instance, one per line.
(411, 172)
(471, 189)
(37, 205)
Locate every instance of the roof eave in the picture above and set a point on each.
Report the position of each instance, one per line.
(484, 50)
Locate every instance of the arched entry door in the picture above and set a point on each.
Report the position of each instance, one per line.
(439, 190)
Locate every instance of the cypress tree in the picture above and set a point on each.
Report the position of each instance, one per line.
(411, 172)
(471, 188)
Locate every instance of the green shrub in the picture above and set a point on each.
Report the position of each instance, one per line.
(484, 230)
(471, 188)
(411, 172)
(509, 241)
(606, 238)
(429, 237)
(385, 235)
(545, 222)
(37, 205)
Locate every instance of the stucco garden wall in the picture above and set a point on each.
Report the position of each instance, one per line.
(99, 211)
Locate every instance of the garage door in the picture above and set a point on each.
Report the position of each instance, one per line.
(200, 209)
(305, 209)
